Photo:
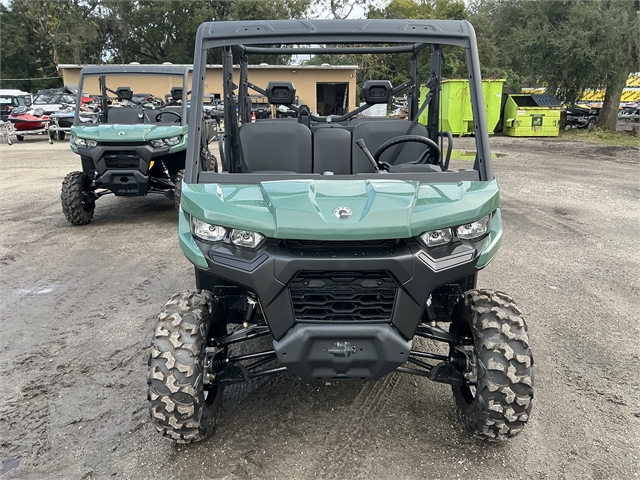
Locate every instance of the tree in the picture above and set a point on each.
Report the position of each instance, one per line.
(39, 35)
(569, 45)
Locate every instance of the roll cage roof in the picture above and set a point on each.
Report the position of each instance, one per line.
(306, 36)
(134, 70)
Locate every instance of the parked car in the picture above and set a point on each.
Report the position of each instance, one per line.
(10, 99)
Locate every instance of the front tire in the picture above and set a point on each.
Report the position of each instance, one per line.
(208, 161)
(180, 407)
(20, 137)
(75, 204)
(496, 404)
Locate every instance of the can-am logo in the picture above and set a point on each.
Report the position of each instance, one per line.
(120, 133)
(342, 213)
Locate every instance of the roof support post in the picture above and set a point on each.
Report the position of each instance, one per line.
(243, 92)
(433, 115)
(414, 92)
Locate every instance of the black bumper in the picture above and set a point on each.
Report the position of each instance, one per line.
(122, 168)
(350, 284)
(342, 351)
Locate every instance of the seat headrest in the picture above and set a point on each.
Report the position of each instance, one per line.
(176, 93)
(281, 93)
(124, 93)
(377, 91)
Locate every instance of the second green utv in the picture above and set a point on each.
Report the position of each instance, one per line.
(340, 238)
(131, 142)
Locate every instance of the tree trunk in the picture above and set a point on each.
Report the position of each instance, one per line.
(609, 113)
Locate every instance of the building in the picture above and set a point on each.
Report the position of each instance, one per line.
(326, 89)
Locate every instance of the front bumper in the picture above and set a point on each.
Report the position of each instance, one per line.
(365, 272)
(341, 310)
(123, 168)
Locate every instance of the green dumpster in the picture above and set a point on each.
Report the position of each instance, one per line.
(530, 115)
(456, 115)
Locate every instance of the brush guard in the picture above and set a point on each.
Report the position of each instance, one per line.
(454, 369)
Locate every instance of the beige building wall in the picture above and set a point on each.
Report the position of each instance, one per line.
(305, 79)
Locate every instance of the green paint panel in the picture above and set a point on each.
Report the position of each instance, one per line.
(456, 115)
(493, 243)
(303, 209)
(187, 244)
(129, 133)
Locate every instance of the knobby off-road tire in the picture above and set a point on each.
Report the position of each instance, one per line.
(73, 198)
(180, 407)
(177, 192)
(208, 161)
(498, 406)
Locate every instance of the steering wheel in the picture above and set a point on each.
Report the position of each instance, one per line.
(177, 120)
(407, 139)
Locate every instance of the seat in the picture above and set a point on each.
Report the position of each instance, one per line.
(375, 133)
(124, 115)
(281, 146)
(332, 150)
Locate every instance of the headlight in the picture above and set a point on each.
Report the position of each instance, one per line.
(436, 237)
(474, 229)
(245, 238)
(171, 141)
(85, 143)
(206, 231)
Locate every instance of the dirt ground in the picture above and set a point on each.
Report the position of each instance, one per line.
(78, 306)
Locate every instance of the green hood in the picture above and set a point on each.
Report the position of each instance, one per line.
(304, 209)
(127, 133)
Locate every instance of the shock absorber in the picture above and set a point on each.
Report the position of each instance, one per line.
(250, 310)
(459, 360)
(165, 169)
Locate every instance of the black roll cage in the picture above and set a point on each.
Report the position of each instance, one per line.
(398, 36)
(102, 71)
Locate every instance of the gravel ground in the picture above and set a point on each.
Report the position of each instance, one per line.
(78, 306)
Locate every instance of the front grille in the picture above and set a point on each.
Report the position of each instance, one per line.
(335, 245)
(122, 159)
(343, 296)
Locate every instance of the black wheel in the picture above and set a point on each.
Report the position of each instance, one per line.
(20, 137)
(177, 192)
(76, 204)
(208, 161)
(52, 135)
(61, 135)
(184, 401)
(591, 124)
(495, 403)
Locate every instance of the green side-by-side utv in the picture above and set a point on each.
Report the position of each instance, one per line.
(341, 238)
(130, 143)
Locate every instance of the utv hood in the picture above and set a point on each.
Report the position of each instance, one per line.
(309, 209)
(126, 133)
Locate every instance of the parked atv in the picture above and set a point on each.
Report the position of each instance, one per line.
(339, 255)
(581, 118)
(128, 145)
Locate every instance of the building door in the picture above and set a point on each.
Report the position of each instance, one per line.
(332, 98)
